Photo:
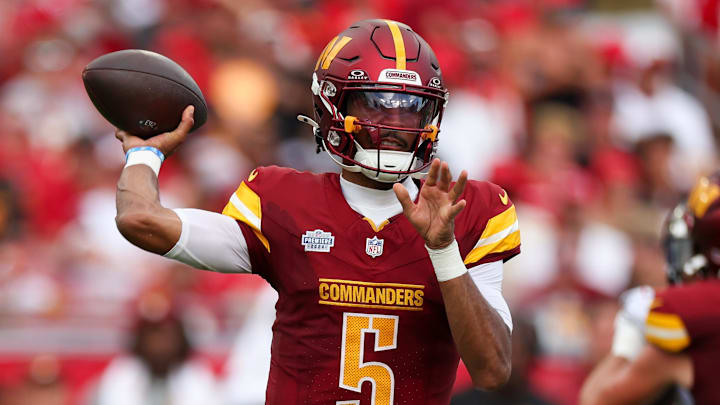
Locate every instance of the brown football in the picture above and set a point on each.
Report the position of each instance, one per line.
(142, 92)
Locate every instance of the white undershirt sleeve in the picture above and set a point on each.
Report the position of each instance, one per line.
(488, 278)
(210, 241)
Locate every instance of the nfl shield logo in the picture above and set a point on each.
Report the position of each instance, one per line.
(374, 246)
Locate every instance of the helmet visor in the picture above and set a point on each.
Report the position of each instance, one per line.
(390, 108)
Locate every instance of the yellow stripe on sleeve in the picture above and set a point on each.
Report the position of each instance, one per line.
(508, 243)
(663, 320)
(671, 345)
(500, 235)
(400, 58)
(249, 199)
(500, 222)
(244, 206)
(666, 331)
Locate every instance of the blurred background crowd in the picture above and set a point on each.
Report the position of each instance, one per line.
(595, 115)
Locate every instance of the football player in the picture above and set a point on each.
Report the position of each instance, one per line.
(670, 340)
(384, 280)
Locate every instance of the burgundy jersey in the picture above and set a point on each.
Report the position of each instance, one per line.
(360, 317)
(686, 318)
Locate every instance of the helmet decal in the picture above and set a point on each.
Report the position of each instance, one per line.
(399, 76)
(435, 82)
(358, 74)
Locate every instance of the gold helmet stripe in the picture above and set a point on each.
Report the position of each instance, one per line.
(400, 58)
(704, 194)
(324, 52)
(334, 51)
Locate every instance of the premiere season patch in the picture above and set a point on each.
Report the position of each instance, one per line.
(317, 241)
(363, 294)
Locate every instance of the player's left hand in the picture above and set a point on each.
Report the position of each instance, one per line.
(434, 214)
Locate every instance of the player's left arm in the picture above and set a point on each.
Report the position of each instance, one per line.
(481, 336)
(620, 381)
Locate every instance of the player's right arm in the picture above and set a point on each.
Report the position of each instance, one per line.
(202, 239)
(141, 219)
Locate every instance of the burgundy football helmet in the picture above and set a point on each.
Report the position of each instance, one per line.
(692, 233)
(391, 79)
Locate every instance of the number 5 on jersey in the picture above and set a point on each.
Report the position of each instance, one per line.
(353, 371)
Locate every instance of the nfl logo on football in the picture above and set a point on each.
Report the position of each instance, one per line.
(374, 246)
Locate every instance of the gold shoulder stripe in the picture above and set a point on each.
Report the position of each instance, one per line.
(324, 52)
(500, 234)
(510, 242)
(249, 199)
(334, 51)
(244, 206)
(664, 320)
(671, 345)
(400, 58)
(667, 331)
(500, 222)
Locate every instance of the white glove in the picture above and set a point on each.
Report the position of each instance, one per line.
(629, 337)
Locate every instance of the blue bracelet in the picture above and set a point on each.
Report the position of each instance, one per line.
(150, 148)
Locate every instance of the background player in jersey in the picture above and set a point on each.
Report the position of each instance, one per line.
(671, 337)
(376, 302)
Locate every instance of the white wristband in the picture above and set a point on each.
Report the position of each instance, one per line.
(447, 262)
(144, 157)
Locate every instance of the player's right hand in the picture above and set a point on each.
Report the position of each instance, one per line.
(166, 142)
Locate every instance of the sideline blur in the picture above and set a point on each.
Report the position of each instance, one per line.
(596, 116)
